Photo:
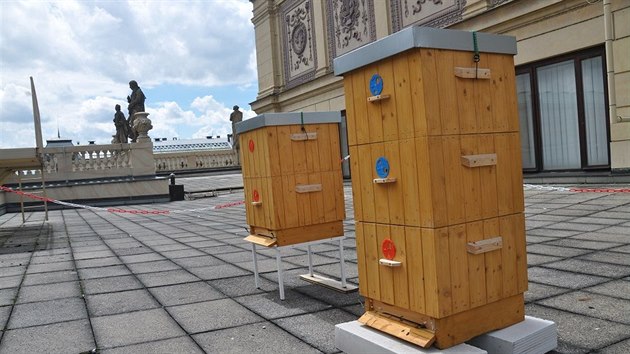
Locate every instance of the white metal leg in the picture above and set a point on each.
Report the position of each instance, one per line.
(310, 260)
(342, 264)
(280, 276)
(256, 280)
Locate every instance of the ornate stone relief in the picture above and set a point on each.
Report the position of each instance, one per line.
(431, 13)
(300, 58)
(350, 25)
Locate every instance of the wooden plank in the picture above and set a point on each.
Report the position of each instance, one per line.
(504, 174)
(516, 166)
(274, 156)
(415, 269)
(373, 111)
(291, 210)
(409, 182)
(326, 157)
(329, 194)
(331, 284)
(360, 119)
(262, 152)
(309, 233)
(367, 189)
(385, 274)
(483, 103)
(285, 146)
(247, 190)
(402, 91)
(335, 146)
(479, 160)
(361, 260)
(261, 240)
(447, 92)
(357, 184)
(488, 179)
(511, 99)
(443, 266)
(465, 90)
(340, 202)
(508, 253)
(498, 92)
(269, 207)
(483, 246)
(453, 180)
(300, 153)
(458, 259)
(494, 267)
(277, 196)
(405, 331)
(457, 329)
(372, 256)
(351, 115)
(312, 154)
(431, 91)
(521, 252)
(476, 266)
(400, 274)
(381, 201)
(317, 199)
(429, 263)
(471, 179)
(395, 190)
(304, 201)
(389, 116)
(389, 263)
(472, 73)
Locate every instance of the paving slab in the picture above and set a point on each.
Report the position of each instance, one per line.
(120, 302)
(98, 262)
(616, 288)
(168, 277)
(50, 277)
(179, 345)
(316, 329)
(134, 327)
(195, 262)
(10, 282)
(212, 315)
(185, 293)
(593, 305)
(112, 284)
(590, 267)
(269, 305)
(262, 337)
(46, 292)
(243, 285)
(7, 296)
(103, 272)
(218, 271)
(46, 312)
(562, 278)
(66, 337)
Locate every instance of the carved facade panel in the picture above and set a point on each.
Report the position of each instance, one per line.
(300, 59)
(431, 13)
(350, 25)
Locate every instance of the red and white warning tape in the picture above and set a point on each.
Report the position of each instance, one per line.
(118, 210)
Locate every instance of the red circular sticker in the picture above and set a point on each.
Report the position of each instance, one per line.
(256, 196)
(389, 249)
(251, 145)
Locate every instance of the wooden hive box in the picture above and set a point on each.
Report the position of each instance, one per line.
(437, 183)
(292, 177)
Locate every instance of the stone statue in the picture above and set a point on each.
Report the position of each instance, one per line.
(136, 104)
(235, 117)
(122, 128)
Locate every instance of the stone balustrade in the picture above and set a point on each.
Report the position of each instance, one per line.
(121, 160)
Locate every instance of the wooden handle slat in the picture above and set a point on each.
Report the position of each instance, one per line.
(377, 98)
(256, 203)
(479, 160)
(307, 188)
(384, 180)
(484, 246)
(472, 73)
(304, 136)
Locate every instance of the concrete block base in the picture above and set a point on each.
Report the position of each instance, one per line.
(354, 338)
(534, 335)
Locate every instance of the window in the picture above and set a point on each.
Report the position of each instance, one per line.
(562, 112)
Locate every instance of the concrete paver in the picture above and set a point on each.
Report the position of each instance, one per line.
(183, 282)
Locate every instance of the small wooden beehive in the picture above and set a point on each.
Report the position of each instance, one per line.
(437, 183)
(292, 177)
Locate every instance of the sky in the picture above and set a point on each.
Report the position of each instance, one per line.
(194, 60)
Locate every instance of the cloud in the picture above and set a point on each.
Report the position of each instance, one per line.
(83, 54)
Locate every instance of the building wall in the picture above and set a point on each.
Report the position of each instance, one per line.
(543, 29)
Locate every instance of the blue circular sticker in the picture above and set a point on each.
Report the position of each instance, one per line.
(376, 84)
(382, 167)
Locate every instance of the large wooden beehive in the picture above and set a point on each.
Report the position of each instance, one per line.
(436, 174)
(292, 177)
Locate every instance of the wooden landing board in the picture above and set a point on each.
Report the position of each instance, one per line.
(404, 331)
(328, 283)
(261, 240)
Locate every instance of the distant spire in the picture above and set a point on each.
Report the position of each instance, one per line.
(58, 135)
